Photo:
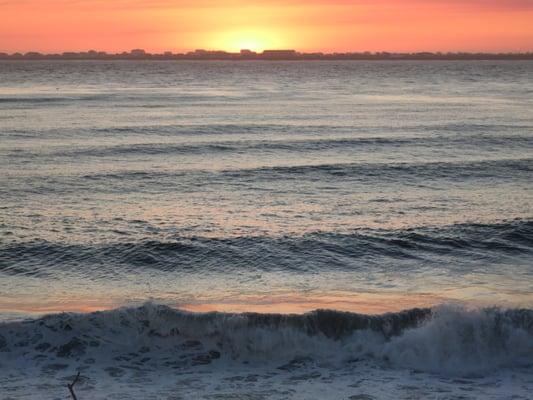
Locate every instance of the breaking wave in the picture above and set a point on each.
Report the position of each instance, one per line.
(445, 339)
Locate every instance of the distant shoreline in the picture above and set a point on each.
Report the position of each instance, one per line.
(268, 55)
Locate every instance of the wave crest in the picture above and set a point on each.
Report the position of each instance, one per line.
(445, 339)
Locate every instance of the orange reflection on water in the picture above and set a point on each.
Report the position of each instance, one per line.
(54, 307)
(284, 303)
(298, 303)
(278, 303)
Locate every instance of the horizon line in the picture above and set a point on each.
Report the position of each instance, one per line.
(268, 54)
(214, 50)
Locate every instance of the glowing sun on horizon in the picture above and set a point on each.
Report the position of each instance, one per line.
(257, 40)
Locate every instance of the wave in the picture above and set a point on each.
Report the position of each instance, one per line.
(118, 99)
(194, 130)
(445, 339)
(421, 174)
(50, 100)
(507, 168)
(276, 146)
(459, 247)
(455, 132)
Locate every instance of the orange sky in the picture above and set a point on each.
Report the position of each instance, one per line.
(306, 25)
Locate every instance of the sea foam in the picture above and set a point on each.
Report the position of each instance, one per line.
(445, 339)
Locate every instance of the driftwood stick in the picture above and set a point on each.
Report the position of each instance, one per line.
(71, 386)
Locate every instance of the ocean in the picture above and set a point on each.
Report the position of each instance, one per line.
(266, 230)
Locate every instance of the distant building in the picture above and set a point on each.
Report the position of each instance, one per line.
(138, 53)
(33, 54)
(202, 54)
(246, 52)
(279, 54)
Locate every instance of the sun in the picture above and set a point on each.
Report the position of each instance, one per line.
(254, 40)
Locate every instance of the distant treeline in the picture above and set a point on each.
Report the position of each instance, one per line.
(140, 54)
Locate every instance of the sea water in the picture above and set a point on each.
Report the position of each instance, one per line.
(210, 207)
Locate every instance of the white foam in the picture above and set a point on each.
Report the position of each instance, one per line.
(155, 347)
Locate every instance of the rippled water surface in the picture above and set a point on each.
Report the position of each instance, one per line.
(270, 187)
(365, 186)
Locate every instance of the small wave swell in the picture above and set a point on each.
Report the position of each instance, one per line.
(458, 245)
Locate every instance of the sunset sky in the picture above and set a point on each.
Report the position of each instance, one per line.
(306, 25)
